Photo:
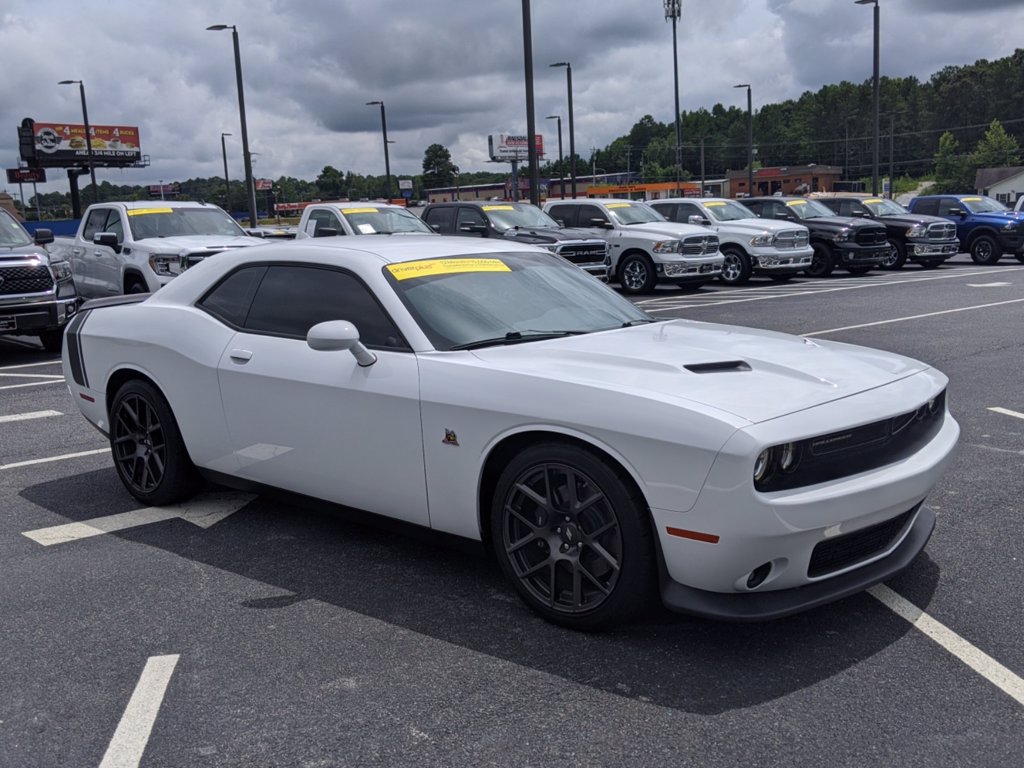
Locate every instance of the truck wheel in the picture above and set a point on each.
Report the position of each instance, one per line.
(52, 340)
(133, 284)
(636, 274)
(897, 256)
(736, 268)
(1019, 257)
(822, 262)
(985, 250)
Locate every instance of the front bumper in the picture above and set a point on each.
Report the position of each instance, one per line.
(690, 270)
(32, 316)
(775, 262)
(853, 255)
(1012, 242)
(926, 251)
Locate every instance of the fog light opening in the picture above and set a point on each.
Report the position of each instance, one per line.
(758, 575)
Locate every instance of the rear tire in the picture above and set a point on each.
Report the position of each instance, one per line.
(822, 263)
(985, 250)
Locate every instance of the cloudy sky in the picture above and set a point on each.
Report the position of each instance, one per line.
(449, 71)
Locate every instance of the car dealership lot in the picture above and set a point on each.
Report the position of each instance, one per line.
(279, 635)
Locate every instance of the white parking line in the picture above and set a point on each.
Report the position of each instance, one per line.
(980, 662)
(132, 734)
(28, 365)
(28, 416)
(912, 317)
(1007, 412)
(48, 459)
(33, 384)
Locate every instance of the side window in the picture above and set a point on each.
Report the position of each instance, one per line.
(755, 207)
(441, 220)
(685, 210)
(668, 210)
(94, 223)
(230, 299)
(950, 206)
(115, 225)
(292, 299)
(927, 207)
(566, 214)
(587, 213)
(469, 216)
(321, 219)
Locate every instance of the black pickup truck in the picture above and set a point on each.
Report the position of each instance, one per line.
(853, 244)
(37, 293)
(924, 240)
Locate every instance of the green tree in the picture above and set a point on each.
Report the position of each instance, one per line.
(438, 169)
(952, 171)
(331, 183)
(996, 149)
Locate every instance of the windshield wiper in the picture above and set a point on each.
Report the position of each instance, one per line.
(516, 337)
(631, 323)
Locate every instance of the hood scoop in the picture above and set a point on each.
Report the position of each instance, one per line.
(724, 366)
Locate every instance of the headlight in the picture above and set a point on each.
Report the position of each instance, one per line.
(763, 464)
(666, 246)
(550, 247)
(918, 230)
(61, 270)
(1009, 226)
(778, 458)
(842, 235)
(762, 240)
(161, 263)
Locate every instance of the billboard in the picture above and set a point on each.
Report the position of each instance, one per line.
(263, 185)
(507, 147)
(25, 175)
(62, 145)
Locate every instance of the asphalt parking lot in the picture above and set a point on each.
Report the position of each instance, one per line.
(244, 631)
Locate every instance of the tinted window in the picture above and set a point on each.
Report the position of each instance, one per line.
(685, 211)
(587, 213)
(564, 214)
(927, 207)
(668, 210)
(292, 299)
(229, 301)
(320, 220)
(468, 216)
(94, 223)
(440, 219)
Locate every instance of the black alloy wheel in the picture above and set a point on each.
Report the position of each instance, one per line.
(985, 250)
(573, 536)
(636, 274)
(897, 256)
(149, 454)
(822, 263)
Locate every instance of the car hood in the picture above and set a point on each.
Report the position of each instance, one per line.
(752, 374)
(998, 218)
(664, 229)
(910, 219)
(837, 223)
(180, 243)
(547, 235)
(757, 225)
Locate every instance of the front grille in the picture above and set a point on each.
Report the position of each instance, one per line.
(942, 231)
(792, 238)
(584, 253)
(698, 245)
(871, 236)
(843, 551)
(25, 279)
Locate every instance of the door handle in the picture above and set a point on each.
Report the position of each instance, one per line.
(240, 355)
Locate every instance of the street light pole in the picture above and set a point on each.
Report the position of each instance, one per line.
(750, 139)
(561, 179)
(250, 187)
(572, 132)
(88, 136)
(672, 12)
(387, 161)
(227, 184)
(874, 83)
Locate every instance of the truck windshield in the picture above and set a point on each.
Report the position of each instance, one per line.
(727, 210)
(883, 207)
(809, 209)
(983, 205)
(510, 215)
(633, 213)
(176, 222)
(383, 221)
(11, 232)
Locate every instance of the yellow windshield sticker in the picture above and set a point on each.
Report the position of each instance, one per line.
(971, 199)
(411, 269)
(712, 205)
(141, 211)
(873, 200)
(498, 207)
(791, 203)
(358, 210)
(619, 205)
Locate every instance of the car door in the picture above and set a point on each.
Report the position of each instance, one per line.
(441, 219)
(470, 222)
(93, 265)
(315, 422)
(564, 214)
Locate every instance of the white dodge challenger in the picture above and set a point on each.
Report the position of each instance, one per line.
(494, 391)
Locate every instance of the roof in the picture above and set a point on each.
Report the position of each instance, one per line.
(986, 177)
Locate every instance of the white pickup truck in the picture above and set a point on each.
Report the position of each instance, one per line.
(138, 247)
(644, 249)
(362, 218)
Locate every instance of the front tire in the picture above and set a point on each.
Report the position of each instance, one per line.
(636, 274)
(985, 250)
(53, 340)
(897, 256)
(149, 453)
(572, 534)
(737, 268)
(822, 263)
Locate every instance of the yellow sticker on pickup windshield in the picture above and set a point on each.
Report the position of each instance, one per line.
(358, 210)
(410, 269)
(713, 205)
(791, 203)
(498, 207)
(618, 205)
(873, 200)
(141, 211)
(971, 199)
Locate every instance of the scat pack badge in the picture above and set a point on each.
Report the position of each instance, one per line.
(450, 438)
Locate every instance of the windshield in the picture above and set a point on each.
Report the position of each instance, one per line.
(727, 210)
(506, 298)
(507, 216)
(983, 205)
(882, 207)
(175, 222)
(633, 213)
(809, 209)
(383, 221)
(12, 234)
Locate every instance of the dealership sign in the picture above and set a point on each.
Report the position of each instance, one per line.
(25, 175)
(507, 147)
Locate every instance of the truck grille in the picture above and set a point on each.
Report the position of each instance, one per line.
(791, 238)
(25, 279)
(584, 253)
(871, 236)
(843, 551)
(698, 245)
(942, 231)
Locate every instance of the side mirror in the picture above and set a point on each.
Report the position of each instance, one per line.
(108, 239)
(700, 221)
(336, 335)
(474, 229)
(598, 221)
(44, 236)
(325, 232)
